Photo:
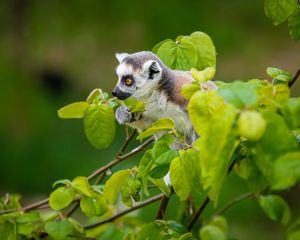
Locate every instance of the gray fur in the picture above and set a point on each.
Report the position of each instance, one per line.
(123, 115)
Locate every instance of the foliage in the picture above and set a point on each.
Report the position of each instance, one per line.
(251, 128)
(282, 10)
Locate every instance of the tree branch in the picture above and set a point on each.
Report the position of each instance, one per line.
(198, 212)
(115, 161)
(27, 208)
(127, 141)
(205, 203)
(114, 217)
(120, 158)
(232, 203)
(72, 210)
(162, 208)
(291, 83)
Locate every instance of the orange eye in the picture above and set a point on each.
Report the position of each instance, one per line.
(128, 81)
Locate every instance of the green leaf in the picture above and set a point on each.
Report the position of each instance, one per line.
(202, 106)
(189, 89)
(276, 141)
(151, 231)
(206, 50)
(25, 221)
(216, 156)
(159, 148)
(66, 182)
(291, 112)
(130, 190)
(275, 208)
(81, 185)
(157, 46)
(24, 228)
(113, 185)
(159, 171)
(166, 157)
(185, 173)
(286, 171)
(248, 170)
(162, 154)
(204, 75)
(180, 55)
(94, 95)
(61, 198)
(279, 10)
(99, 125)
(129, 236)
(144, 169)
(216, 230)
(221, 223)
(49, 215)
(240, 94)
(76, 225)
(159, 125)
(12, 201)
(7, 231)
(73, 110)
(177, 227)
(251, 125)
(160, 183)
(279, 75)
(210, 232)
(93, 206)
(26, 217)
(59, 230)
(294, 24)
(134, 105)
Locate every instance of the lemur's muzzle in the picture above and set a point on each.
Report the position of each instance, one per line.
(120, 94)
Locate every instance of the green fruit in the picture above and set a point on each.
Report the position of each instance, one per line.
(251, 125)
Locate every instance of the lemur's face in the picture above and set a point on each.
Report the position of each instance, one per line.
(135, 78)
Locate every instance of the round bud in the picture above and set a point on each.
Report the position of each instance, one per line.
(251, 125)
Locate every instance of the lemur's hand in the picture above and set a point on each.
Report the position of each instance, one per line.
(123, 115)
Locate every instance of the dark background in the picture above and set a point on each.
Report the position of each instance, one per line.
(55, 52)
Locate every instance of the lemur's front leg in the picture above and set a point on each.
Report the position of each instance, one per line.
(123, 115)
(135, 120)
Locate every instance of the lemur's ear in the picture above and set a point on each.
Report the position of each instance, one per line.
(152, 68)
(121, 56)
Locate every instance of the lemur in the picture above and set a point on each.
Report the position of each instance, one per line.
(143, 76)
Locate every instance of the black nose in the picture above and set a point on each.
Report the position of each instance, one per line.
(114, 93)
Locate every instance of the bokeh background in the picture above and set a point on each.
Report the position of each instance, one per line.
(55, 52)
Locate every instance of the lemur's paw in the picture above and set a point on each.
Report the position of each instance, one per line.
(123, 115)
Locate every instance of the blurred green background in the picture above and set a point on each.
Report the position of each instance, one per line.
(55, 52)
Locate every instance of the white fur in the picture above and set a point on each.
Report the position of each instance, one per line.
(121, 56)
(124, 69)
(157, 106)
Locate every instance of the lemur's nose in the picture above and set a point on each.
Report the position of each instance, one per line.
(114, 92)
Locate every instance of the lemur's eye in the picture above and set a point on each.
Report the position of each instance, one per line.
(128, 82)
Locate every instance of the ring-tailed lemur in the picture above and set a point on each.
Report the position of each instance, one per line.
(146, 78)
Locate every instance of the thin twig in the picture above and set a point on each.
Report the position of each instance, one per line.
(232, 203)
(90, 177)
(205, 203)
(100, 178)
(162, 207)
(27, 208)
(120, 158)
(198, 212)
(114, 217)
(127, 141)
(72, 210)
(291, 83)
